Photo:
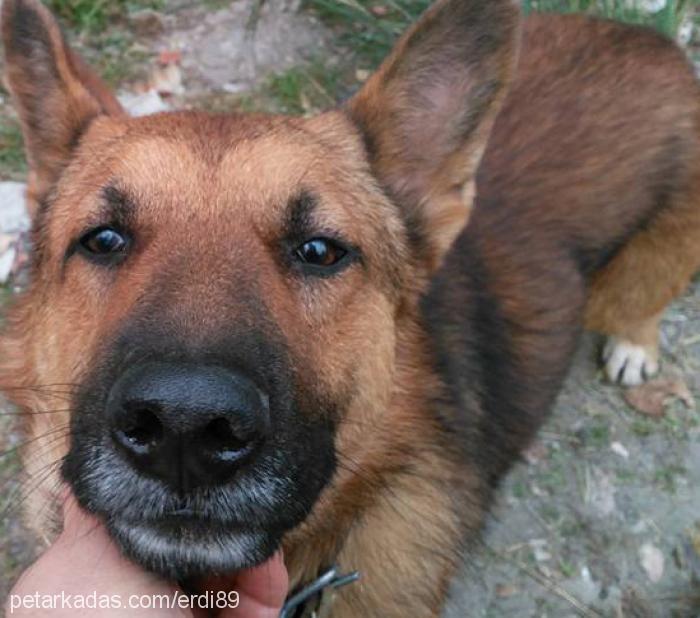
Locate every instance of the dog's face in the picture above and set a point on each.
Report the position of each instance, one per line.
(222, 296)
(236, 295)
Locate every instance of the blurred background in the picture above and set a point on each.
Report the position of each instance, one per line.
(603, 517)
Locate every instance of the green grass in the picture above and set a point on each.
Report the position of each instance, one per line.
(520, 490)
(12, 162)
(567, 569)
(215, 5)
(104, 36)
(667, 477)
(92, 15)
(369, 27)
(302, 90)
(666, 20)
(5, 294)
(597, 436)
(115, 57)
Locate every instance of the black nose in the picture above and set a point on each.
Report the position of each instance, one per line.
(187, 425)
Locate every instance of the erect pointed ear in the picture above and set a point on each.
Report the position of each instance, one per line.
(55, 93)
(426, 114)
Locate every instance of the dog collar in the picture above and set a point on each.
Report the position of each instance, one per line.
(314, 600)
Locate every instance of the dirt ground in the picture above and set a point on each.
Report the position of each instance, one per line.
(603, 517)
(605, 490)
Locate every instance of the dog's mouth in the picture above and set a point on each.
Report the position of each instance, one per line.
(212, 531)
(183, 546)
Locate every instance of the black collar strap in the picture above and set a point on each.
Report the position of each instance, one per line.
(309, 601)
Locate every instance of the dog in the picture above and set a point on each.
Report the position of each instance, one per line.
(336, 334)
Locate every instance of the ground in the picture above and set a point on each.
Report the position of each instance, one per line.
(603, 517)
(605, 487)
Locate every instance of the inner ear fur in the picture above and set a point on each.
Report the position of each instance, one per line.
(427, 112)
(55, 93)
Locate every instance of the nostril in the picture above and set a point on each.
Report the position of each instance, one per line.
(140, 430)
(144, 429)
(221, 441)
(187, 425)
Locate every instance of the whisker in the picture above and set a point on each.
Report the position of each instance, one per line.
(40, 387)
(38, 412)
(47, 448)
(18, 499)
(54, 489)
(61, 428)
(58, 390)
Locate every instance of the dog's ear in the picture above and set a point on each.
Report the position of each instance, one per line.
(54, 91)
(426, 114)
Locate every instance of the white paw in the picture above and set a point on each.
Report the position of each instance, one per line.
(629, 364)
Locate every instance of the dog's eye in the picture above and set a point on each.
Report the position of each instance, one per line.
(104, 241)
(320, 252)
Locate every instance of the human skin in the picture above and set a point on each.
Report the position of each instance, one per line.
(84, 560)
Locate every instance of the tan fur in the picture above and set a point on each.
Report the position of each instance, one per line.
(629, 294)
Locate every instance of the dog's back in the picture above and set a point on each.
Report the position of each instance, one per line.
(600, 130)
(588, 210)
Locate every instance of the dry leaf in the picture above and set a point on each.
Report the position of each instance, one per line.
(147, 22)
(536, 452)
(652, 561)
(167, 79)
(7, 261)
(13, 212)
(169, 56)
(651, 398)
(619, 449)
(600, 492)
(695, 538)
(539, 550)
(143, 103)
(504, 591)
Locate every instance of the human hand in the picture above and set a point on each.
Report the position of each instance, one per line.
(84, 563)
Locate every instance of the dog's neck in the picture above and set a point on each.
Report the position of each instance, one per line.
(395, 474)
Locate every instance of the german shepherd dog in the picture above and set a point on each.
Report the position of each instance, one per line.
(336, 334)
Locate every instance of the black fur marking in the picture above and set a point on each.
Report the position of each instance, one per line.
(117, 210)
(299, 223)
(119, 206)
(482, 381)
(79, 132)
(30, 39)
(300, 227)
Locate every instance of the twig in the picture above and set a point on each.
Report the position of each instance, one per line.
(549, 584)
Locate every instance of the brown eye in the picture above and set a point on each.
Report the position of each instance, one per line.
(320, 252)
(104, 241)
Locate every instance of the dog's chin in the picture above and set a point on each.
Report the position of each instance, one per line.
(187, 551)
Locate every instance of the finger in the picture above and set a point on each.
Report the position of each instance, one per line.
(76, 519)
(262, 590)
(85, 531)
(86, 541)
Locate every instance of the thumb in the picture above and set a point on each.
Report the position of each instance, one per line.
(262, 590)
